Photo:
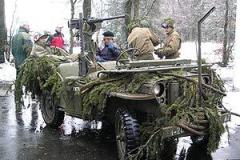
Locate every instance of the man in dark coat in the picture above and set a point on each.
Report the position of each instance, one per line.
(21, 45)
(110, 51)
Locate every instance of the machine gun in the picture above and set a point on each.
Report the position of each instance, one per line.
(75, 23)
(92, 20)
(79, 24)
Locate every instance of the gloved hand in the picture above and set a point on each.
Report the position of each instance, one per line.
(111, 46)
(159, 52)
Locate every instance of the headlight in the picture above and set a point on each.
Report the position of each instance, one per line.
(206, 80)
(158, 89)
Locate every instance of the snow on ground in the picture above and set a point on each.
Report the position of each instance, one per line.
(7, 72)
(7, 77)
(230, 101)
(189, 51)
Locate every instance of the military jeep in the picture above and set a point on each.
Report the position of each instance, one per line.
(127, 109)
(146, 101)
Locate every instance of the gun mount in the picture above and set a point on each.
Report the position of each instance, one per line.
(79, 24)
(74, 23)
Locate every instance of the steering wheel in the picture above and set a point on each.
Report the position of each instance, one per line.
(131, 53)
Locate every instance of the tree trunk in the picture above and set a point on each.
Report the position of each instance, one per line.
(136, 8)
(87, 8)
(225, 40)
(11, 31)
(132, 10)
(87, 14)
(72, 3)
(128, 6)
(3, 31)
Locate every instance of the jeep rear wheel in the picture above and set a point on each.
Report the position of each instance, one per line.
(200, 140)
(51, 114)
(127, 133)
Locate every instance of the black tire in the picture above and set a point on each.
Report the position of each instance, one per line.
(51, 114)
(127, 133)
(198, 152)
(199, 140)
(169, 149)
(107, 128)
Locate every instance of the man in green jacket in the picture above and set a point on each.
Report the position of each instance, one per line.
(172, 43)
(21, 45)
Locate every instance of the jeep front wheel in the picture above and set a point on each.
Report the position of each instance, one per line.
(51, 114)
(127, 133)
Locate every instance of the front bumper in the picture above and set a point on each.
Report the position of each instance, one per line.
(175, 131)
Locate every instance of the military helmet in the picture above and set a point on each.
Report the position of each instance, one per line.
(145, 23)
(138, 23)
(168, 22)
(39, 35)
(26, 27)
(132, 24)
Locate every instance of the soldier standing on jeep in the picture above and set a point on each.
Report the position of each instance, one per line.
(143, 39)
(172, 43)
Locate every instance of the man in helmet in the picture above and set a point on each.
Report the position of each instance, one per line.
(172, 42)
(40, 47)
(143, 39)
(21, 45)
(57, 39)
(109, 51)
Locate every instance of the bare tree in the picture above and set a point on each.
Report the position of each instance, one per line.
(151, 7)
(3, 31)
(11, 30)
(72, 3)
(225, 40)
(132, 10)
(87, 8)
(136, 8)
(86, 14)
(185, 13)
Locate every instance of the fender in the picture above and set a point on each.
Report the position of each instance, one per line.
(131, 96)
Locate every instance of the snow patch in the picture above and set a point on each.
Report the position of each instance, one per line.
(7, 72)
(209, 51)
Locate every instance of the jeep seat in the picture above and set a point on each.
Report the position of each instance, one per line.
(69, 69)
(109, 65)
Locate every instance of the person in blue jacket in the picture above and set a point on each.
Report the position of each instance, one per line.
(110, 51)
